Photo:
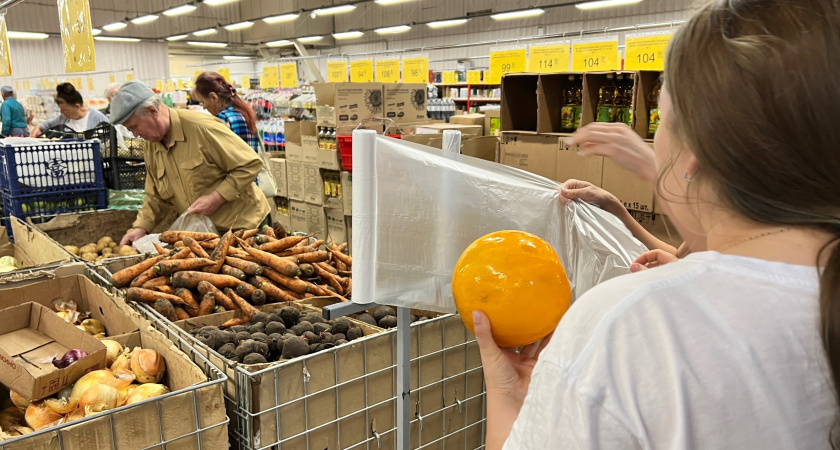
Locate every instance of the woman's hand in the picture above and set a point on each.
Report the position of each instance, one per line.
(37, 132)
(618, 142)
(651, 259)
(588, 192)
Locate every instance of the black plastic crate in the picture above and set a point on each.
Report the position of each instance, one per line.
(46, 205)
(123, 173)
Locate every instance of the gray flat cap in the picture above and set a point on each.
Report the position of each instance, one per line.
(130, 96)
(6, 90)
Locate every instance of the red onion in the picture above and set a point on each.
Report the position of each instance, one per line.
(69, 358)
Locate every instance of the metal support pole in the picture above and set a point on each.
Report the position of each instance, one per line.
(403, 378)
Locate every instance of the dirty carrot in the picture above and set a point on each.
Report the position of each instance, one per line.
(246, 307)
(261, 239)
(342, 247)
(160, 249)
(283, 244)
(219, 253)
(246, 290)
(284, 266)
(179, 245)
(208, 302)
(165, 289)
(155, 282)
(209, 245)
(144, 277)
(258, 297)
(190, 303)
(312, 257)
(195, 247)
(171, 237)
(184, 253)
(327, 267)
(179, 265)
(221, 299)
(268, 231)
(294, 284)
(181, 313)
(337, 253)
(232, 271)
(329, 278)
(248, 267)
(124, 277)
(190, 279)
(136, 294)
(244, 320)
(271, 291)
(250, 233)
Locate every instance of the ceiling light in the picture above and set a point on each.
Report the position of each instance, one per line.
(310, 38)
(206, 32)
(95, 31)
(178, 37)
(447, 23)
(348, 34)
(116, 39)
(281, 18)
(236, 58)
(389, 2)
(238, 26)
(207, 44)
(217, 2)
(518, 14)
(115, 26)
(279, 43)
(178, 10)
(392, 30)
(605, 4)
(334, 10)
(26, 35)
(144, 19)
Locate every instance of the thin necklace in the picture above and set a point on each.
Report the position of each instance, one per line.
(757, 236)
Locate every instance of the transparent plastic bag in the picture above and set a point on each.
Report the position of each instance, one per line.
(193, 222)
(416, 208)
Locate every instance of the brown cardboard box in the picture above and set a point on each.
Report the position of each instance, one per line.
(431, 140)
(634, 193)
(519, 102)
(303, 146)
(31, 333)
(295, 181)
(592, 83)
(325, 116)
(550, 100)
(352, 102)
(645, 82)
(316, 221)
(347, 192)
(659, 226)
(297, 215)
(336, 225)
(405, 102)
(475, 130)
(283, 215)
(313, 188)
(492, 122)
(548, 156)
(333, 194)
(486, 148)
(31, 248)
(278, 171)
(572, 165)
(468, 119)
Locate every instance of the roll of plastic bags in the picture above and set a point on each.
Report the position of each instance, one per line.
(416, 208)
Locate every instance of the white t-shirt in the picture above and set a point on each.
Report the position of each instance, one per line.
(711, 352)
(79, 124)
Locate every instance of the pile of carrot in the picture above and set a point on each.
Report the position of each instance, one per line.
(203, 273)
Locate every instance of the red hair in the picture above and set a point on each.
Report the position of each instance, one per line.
(209, 82)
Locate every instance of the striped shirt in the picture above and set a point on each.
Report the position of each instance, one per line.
(236, 121)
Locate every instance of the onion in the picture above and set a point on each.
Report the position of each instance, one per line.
(90, 379)
(125, 393)
(69, 358)
(76, 414)
(123, 361)
(19, 401)
(22, 430)
(91, 327)
(101, 397)
(114, 349)
(38, 416)
(148, 365)
(11, 417)
(145, 392)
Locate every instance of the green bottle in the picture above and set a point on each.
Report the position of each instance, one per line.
(571, 104)
(625, 114)
(579, 96)
(606, 101)
(653, 116)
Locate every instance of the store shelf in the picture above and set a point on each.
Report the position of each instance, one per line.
(465, 84)
(476, 99)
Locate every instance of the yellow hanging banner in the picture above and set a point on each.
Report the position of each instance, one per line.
(225, 73)
(361, 71)
(449, 77)
(646, 51)
(504, 61)
(129, 76)
(5, 56)
(597, 54)
(415, 70)
(159, 85)
(271, 77)
(473, 77)
(90, 83)
(76, 36)
(552, 57)
(288, 75)
(387, 70)
(337, 71)
(246, 82)
(170, 86)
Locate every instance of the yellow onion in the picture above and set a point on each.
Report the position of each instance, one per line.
(125, 393)
(22, 430)
(11, 417)
(90, 379)
(38, 416)
(113, 350)
(145, 392)
(76, 414)
(91, 327)
(101, 397)
(148, 365)
(123, 361)
(19, 401)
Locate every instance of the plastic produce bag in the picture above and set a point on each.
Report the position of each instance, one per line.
(126, 199)
(416, 208)
(193, 222)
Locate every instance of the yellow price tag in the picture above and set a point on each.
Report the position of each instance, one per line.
(337, 71)
(505, 61)
(112, 78)
(288, 75)
(246, 82)
(388, 71)
(90, 83)
(180, 85)
(473, 77)
(646, 52)
(449, 77)
(415, 70)
(78, 83)
(17, 86)
(225, 73)
(549, 58)
(129, 76)
(159, 85)
(54, 83)
(272, 77)
(170, 86)
(594, 56)
(27, 85)
(361, 71)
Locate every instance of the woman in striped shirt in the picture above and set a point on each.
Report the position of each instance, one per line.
(221, 100)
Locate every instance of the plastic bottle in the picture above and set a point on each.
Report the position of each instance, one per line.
(653, 112)
(280, 136)
(451, 110)
(629, 90)
(571, 104)
(606, 101)
(579, 97)
(269, 138)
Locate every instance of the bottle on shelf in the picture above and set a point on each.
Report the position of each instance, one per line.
(622, 100)
(571, 104)
(629, 93)
(333, 140)
(653, 112)
(269, 139)
(322, 140)
(579, 96)
(606, 101)
(280, 136)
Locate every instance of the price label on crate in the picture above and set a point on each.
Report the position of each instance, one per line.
(337, 71)
(473, 77)
(416, 70)
(504, 61)
(552, 57)
(361, 71)
(271, 77)
(595, 54)
(646, 51)
(225, 73)
(288, 75)
(246, 82)
(449, 77)
(388, 70)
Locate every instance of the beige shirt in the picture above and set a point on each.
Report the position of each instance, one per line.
(204, 156)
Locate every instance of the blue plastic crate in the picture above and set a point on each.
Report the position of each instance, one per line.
(51, 167)
(43, 206)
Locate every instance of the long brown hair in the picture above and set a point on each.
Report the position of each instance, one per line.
(756, 99)
(209, 82)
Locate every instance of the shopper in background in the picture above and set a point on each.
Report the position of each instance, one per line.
(195, 164)
(12, 114)
(737, 346)
(110, 92)
(73, 112)
(221, 100)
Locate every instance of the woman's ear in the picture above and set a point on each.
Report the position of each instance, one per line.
(692, 166)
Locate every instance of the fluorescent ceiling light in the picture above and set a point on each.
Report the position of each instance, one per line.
(217, 2)
(518, 14)
(281, 18)
(279, 43)
(238, 26)
(207, 44)
(334, 10)
(95, 31)
(178, 37)
(206, 32)
(144, 19)
(389, 2)
(392, 30)
(116, 39)
(26, 35)
(348, 34)
(310, 38)
(605, 4)
(447, 23)
(236, 58)
(178, 10)
(115, 26)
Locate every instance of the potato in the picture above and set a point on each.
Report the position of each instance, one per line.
(104, 240)
(127, 250)
(89, 256)
(72, 249)
(101, 246)
(89, 248)
(112, 244)
(107, 251)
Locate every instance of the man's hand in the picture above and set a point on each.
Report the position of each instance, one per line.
(132, 236)
(207, 205)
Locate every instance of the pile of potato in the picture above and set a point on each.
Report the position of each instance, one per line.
(105, 247)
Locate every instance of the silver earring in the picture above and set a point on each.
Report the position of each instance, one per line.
(691, 178)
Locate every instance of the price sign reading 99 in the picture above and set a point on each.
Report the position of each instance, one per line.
(505, 61)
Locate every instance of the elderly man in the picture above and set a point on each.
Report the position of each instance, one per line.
(194, 163)
(12, 114)
(110, 92)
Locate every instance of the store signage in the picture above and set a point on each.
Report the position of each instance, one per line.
(76, 36)
(595, 54)
(271, 77)
(504, 60)
(388, 70)
(449, 77)
(549, 57)
(473, 77)
(646, 51)
(415, 69)
(288, 75)
(5, 56)
(246, 82)
(337, 71)
(361, 71)
(225, 73)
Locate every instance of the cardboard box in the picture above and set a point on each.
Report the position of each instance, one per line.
(278, 171)
(405, 102)
(550, 100)
(571, 165)
(297, 216)
(336, 225)
(316, 221)
(468, 119)
(30, 334)
(347, 192)
(329, 159)
(592, 83)
(322, 187)
(645, 82)
(283, 215)
(636, 194)
(548, 156)
(352, 102)
(660, 226)
(325, 116)
(313, 188)
(492, 122)
(31, 248)
(302, 142)
(475, 130)
(486, 148)
(295, 181)
(519, 102)
(431, 140)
